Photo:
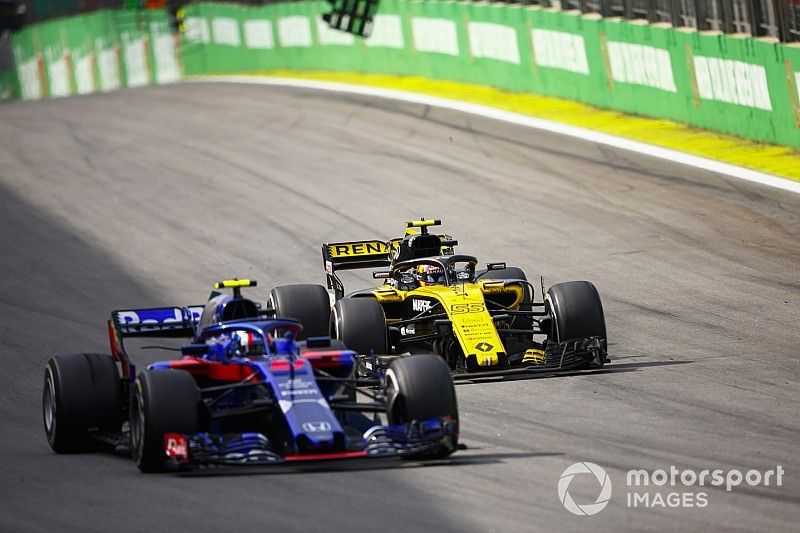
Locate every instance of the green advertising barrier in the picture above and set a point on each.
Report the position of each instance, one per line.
(102, 33)
(162, 56)
(566, 58)
(51, 39)
(383, 50)
(226, 37)
(29, 63)
(498, 44)
(131, 30)
(257, 37)
(96, 52)
(8, 85)
(743, 86)
(195, 37)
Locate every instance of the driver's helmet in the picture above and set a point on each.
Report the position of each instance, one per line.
(430, 275)
(251, 345)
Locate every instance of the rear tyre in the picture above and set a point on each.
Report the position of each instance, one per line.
(82, 394)
(577, 312)
(163, 401)
(307, 303)
(420, 387)
(360, 324)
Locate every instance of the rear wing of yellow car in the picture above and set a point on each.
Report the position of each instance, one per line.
(375, 253)
(353, 255)
(356, 254)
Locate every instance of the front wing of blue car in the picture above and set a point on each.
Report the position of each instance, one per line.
(417, 439)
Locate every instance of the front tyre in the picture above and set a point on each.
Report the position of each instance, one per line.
(420, 387)
(163, 401)
(82, 395)
(576, 311)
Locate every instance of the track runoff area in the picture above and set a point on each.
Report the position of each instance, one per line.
(770, 165)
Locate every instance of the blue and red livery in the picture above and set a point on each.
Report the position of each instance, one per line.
(245, 391)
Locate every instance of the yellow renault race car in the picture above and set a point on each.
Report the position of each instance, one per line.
(489, 321)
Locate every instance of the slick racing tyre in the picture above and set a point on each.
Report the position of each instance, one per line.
(82, 394)
(307, 303)
(576, 311)
(361, 324)
(162, 401)
(420, 387)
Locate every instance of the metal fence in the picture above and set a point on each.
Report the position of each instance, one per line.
(760, 18)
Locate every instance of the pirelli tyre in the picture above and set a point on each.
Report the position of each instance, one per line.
(576, 311)
(162, 401)
(82, 396)
(310, 304)
(420, 387)
(361, 324)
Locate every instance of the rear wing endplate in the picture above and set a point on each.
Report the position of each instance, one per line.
(158, 321)
(353, 255)
(152, 322)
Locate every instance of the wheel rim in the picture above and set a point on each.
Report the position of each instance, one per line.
(137, 422)
(335, 334)
(391, 390)
(272, 306)
(49, 406)
(554, 333)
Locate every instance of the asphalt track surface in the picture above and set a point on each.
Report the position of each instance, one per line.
(145, 197)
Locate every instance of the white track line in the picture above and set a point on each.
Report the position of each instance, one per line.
(523, 120)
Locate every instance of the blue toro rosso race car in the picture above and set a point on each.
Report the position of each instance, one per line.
(249, 388)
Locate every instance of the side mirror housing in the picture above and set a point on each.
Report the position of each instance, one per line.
(496, 266)
(380, 274)
(407, 279)
(194, 350)
(318, 342)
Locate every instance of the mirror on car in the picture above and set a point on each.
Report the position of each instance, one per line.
(407, 279)
(495, 266)
(461, 276)
(194, 350)
(380, 274)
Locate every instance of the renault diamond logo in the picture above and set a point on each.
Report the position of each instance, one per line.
(483, 346)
